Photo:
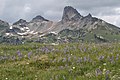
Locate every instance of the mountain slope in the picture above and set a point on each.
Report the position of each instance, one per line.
(3, 26)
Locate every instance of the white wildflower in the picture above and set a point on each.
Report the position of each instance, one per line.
(73, 68)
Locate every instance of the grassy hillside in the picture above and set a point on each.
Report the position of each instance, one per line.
(75, 61)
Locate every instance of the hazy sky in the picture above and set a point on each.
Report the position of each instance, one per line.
(12, 10)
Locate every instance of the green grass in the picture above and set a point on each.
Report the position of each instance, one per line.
(75, 61)
(106, 34)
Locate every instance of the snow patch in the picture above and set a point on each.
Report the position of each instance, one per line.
(54, 33)
(7, 34)
(11, 27)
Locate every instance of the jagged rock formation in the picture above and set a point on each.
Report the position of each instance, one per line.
(72, 27)
(70, 14)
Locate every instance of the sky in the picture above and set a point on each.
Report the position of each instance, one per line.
(13, 10)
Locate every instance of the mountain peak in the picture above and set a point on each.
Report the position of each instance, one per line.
(70, 13)
(68, 7)
(20, 22)
(89, 15)
(39, 18)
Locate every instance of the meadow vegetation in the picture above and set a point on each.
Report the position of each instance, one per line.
(74, 61)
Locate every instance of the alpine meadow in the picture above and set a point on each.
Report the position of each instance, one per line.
(76, 47)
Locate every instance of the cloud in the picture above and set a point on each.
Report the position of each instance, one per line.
(27, 8)
(117, 10)
(12, 10)
(2, 6)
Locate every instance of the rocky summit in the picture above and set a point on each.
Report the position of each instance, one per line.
(73, 27)
(70, 14)
(39, 18)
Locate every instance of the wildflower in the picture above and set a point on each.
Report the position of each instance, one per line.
(101, 58)
(85, 59)
(89, 59)
(69, 59)
(66, 65)
(107, 77)
(27, 63)
(73, 67)
(64, 60)
(79, 60)
(104, 64)
(98, 72)
(104, 69)
(19, 54)
(29, 54)
(75, 57)
(84, 50)
(107, 72)
(112, 59)
(117, 56)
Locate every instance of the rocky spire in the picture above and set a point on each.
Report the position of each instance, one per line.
(89, 16)
(70, 13)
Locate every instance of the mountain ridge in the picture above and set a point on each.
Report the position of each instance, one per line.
(72, 26)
